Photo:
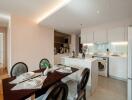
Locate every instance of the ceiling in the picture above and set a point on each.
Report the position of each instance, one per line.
(67, 18)
(32, 9)
(88, 13)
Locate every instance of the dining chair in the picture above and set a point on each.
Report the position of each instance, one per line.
(58, 91)
(77, 90)
(18, 69)
(44, 63)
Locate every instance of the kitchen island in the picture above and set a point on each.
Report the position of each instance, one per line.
(80, 63)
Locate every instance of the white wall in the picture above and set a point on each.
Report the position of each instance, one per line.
(30, 42)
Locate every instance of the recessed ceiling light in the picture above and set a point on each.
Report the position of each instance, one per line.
(98, 11)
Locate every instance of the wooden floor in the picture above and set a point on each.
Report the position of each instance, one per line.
(3, 74)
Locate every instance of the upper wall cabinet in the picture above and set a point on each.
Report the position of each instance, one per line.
(90, 37)
(116, 34)
(83, 38)
(86, 36)
(126, 34)
(100, 36)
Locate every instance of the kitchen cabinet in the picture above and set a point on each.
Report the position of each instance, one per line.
(126, 34)
(83, 38)
(90, 63)
(100, 36)
(116, 34)
(86, 36)
(57, 57)
(90, 37)
(118, 67)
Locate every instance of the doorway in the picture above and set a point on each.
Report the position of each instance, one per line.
(3, 51)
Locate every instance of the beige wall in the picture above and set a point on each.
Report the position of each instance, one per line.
(30, 42)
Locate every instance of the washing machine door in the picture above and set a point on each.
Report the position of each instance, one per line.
(101, 65)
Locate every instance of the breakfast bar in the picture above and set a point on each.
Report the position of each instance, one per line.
(81, 63)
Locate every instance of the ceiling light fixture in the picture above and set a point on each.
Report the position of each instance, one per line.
(61, 4)
(98, 12)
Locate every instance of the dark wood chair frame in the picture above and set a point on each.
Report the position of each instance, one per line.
(59, 87)
(81, 86)
(41, 61)
(15, 66)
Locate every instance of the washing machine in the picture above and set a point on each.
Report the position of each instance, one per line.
(103, 66)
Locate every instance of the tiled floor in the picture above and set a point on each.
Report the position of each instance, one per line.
(108, 89)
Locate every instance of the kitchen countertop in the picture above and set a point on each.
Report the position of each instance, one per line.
(117, 56)
(78, 58)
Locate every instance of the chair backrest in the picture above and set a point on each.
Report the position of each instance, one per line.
(44, 63)
(83, 80)
(57, 92)
(18, 69)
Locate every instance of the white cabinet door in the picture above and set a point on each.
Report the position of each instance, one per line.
(86, 36)
(116, 34)
(126, 34)
(90, 37)
(118, 67)
(83, 36)
(100, 36)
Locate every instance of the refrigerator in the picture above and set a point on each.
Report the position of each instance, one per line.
(129, 86)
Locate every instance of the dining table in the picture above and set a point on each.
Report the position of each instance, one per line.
(22, 94)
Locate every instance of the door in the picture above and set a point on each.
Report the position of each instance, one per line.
(1, 50)
(129, 97)
(130, 52)
(116, 34)
(129, 89)
(86, 36)
(100, 36)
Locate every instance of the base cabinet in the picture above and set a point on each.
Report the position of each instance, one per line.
(118, 67)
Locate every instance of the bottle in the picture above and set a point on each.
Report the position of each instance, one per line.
(73, 54)
(83, 55)
(108, 52)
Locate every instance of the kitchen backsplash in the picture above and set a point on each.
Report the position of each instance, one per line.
(102, 47)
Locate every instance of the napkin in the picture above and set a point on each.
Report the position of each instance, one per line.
(65, 70)
(35, 83)
(24, 77)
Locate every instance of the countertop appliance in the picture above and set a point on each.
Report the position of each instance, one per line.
(129, 97)
(103, 65)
